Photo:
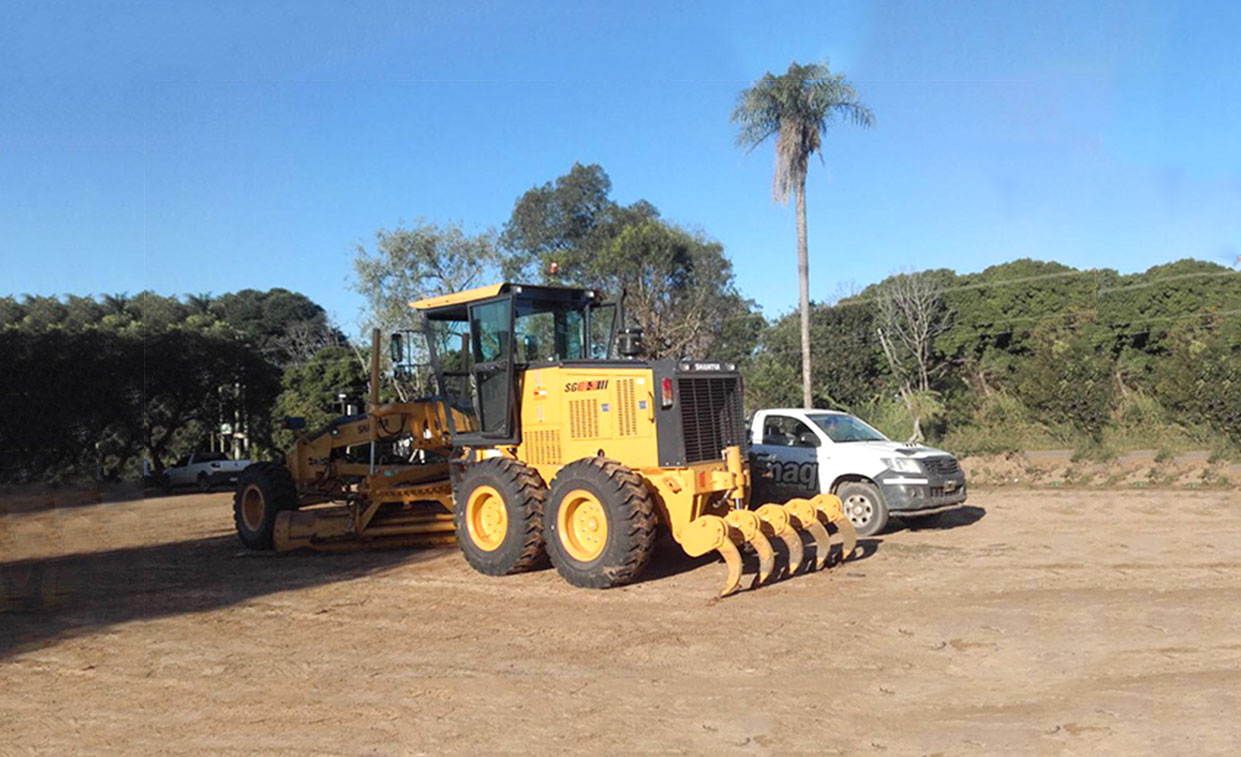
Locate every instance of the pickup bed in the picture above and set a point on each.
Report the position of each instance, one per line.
(204, 470)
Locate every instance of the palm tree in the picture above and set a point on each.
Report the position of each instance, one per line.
(797, 108)
(116, 303)
(199, 304)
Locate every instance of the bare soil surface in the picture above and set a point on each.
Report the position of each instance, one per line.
(1046, 622)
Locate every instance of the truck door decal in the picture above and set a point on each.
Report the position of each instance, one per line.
(779, 480)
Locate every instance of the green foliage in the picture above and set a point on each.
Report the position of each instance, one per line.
(566, 221)
(1043, 355)
(848, 370)
(1063, 379)
(96, 385)
(423, 260)
(70, 398)
(679, 284)
(796, 107)
(1199, 377)
(892, 415)
(286, 327)
(311, 390)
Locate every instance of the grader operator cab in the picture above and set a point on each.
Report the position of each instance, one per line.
(539, 442)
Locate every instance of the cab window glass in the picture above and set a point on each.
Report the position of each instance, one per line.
(452, 348)
(783, 431)
(846, 428)
(491, 331)
(548, 331)
(601, 320)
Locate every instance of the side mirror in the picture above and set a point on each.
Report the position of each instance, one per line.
(396, 349)
(807, 439)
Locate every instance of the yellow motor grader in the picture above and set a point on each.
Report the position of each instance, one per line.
(539, 442)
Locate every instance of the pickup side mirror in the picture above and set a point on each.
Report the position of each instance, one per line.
(808, 439)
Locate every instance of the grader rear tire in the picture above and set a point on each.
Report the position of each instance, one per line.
(499, 516)
(600, 523)
(263, 490)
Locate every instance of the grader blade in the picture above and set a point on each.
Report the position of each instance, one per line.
(331, 529)
(802, 515)
(774, 521)
(832, 514)
(749, 525)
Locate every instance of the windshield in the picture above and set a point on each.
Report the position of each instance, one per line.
(845, 428)
(549, 330)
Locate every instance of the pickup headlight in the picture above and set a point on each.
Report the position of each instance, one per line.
(903, 464)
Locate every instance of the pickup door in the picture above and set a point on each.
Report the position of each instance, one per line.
(785, 459)
(179, 473)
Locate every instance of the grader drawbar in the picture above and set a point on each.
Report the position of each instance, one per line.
(540, 444)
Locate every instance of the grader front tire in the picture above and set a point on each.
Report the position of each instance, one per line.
(499, 516)
(600, 523)
(263, 491)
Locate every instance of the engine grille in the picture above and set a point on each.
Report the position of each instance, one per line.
(942, 466)
(712, 417)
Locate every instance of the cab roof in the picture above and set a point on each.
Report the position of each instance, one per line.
(460, 298)
(454, 305)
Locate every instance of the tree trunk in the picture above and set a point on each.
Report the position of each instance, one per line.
(803, 280)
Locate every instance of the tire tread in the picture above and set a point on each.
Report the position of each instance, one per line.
(531, 496)
(274, 479)
(633, 505)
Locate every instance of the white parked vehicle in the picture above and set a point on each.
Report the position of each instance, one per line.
(800, 453)
(204, 470)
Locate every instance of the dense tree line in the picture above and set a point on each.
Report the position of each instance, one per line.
(95, 385)
(1035, 354)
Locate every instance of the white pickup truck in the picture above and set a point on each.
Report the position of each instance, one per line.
(204, 470)
(800, 453)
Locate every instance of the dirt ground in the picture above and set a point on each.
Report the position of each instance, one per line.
(1047, 622)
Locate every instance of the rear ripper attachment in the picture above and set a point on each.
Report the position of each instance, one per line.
(728, 529)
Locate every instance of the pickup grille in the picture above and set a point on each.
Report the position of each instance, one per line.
(711, 415)
(942, 466)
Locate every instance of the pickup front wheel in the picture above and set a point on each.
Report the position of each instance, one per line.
(864, 506)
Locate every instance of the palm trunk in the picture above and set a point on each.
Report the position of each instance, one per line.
(803, 280)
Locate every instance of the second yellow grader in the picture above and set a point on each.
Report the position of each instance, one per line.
(540, 442)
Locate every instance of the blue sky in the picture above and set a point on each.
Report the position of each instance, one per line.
(209, 147)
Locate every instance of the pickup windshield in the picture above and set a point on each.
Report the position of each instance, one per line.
(842, 428)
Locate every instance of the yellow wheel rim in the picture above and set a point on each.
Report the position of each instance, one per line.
(252, 507)
(486, 519)
(583, 525)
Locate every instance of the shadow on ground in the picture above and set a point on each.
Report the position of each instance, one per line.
(43, 601)
(966, 515)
